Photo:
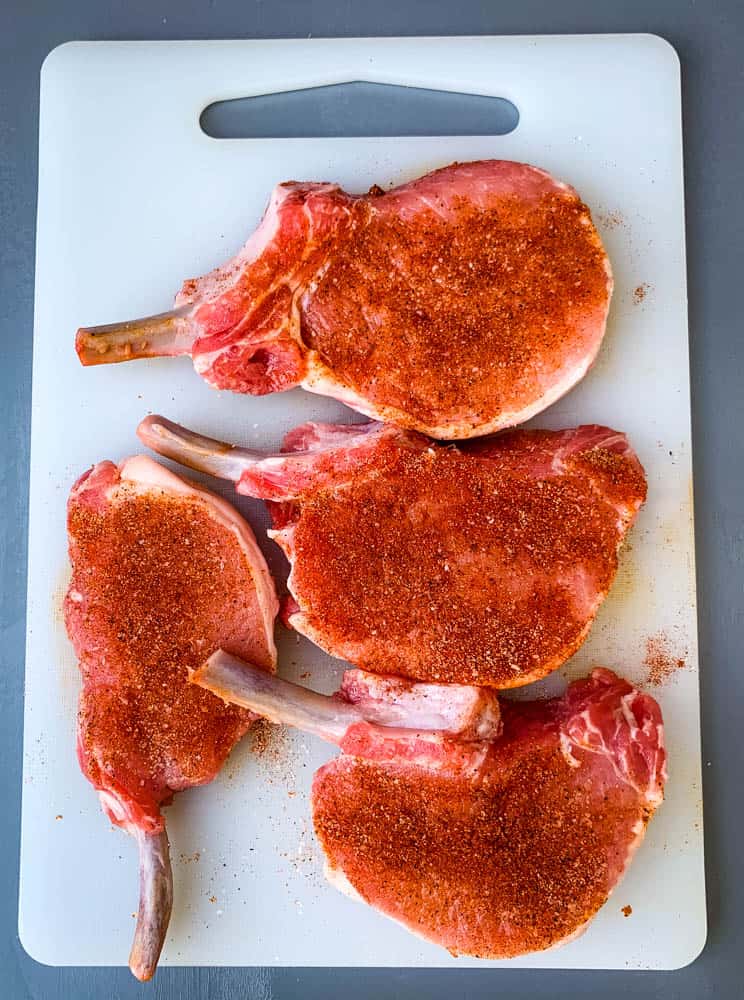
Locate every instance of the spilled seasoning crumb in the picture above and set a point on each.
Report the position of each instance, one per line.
(268, 740)
(610, 220)
(58, 816)
(626, 911)
(660, 661)
(212, 899)
(188, 859)
(272, 747)
(305, 859)
(640, 292)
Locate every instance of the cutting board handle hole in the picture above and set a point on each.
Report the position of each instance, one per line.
(358, 109)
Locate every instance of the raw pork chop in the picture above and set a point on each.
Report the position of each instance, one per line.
(458, 304)
(494, 847)
(479, 564)
(163, 573)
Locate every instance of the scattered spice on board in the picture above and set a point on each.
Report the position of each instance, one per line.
(660, 661)
(610, 220)
(640, 293)
(268, 740)
(261, 733)
(626, 911)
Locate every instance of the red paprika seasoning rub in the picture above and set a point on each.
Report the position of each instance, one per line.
(500, 292)
(163, 573)
(162, 589)
(515, 849)
(483, 564)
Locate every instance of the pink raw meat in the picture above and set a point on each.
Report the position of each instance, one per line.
(460, 303)
(483, 563)
(163, 573)
(492, 847)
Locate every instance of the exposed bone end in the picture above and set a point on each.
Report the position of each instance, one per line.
(155, 903)
(195, 451)
(388, 704)
(166, 334)
(320, 455)
(277, 700)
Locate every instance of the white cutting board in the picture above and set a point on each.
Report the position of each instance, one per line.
(132, 199)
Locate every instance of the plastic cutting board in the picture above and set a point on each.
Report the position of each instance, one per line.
(133, 198)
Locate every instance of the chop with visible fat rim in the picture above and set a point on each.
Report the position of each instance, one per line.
(493, 839)
(482, 563)
(163, 573)
(460, 303)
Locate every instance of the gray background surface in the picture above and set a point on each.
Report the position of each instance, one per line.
(709, 37)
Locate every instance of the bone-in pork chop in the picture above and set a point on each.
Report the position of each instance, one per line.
(163, 573)
(483, 563)
(491, 847)
(458, 304)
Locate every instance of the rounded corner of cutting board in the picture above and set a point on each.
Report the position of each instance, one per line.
(664, 49)
(691, 951)
(58, 58)
(37, 947)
